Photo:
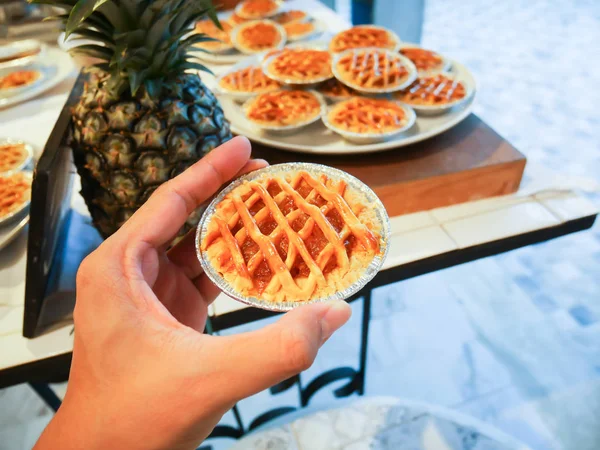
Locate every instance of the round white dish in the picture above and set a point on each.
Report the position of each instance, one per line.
(445, 66)
(412, 71)
(244, 50)
(14, 49)
(17, 212)
(318, 139)
(58, 70)
(28, 149)
(238, 11)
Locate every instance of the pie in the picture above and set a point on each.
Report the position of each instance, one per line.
(14, 191)
(208, 27)
(297, 30)
(257, 9)
(372, 69)
(363, 36)
(12, 156)
(292, 237)
(333, 88)
(234, 19)
(367, 116)
(257, 36)
(249, 79)
(291, 16)
(18, 79)
(283, 108)
(436, 90)
(424, 60)
(301, 65)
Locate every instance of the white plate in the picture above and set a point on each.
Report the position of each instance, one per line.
(28, 149)
(18, 212)
(316, 138)
(57, 66)
(19, 47)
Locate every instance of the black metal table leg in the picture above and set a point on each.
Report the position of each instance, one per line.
(47, 394)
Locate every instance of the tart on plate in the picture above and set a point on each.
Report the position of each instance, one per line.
(362, 36)
(257, 9)
(291, 16)
(335, 90)
(15, 192)
(208, 27)
(435, 92)
(299, 66)
(291, 234)
(426, 61)
(18, 79)
(234, 19)
(249, 80)
(284, 110)
(373, 70)
(258, 36)
(13, 156)
(299, 30)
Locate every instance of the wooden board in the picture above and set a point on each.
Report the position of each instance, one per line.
(469, 162)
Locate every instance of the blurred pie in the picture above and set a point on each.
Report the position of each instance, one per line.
(208, 28)
(363, 36)
(258, 36)
(298, 30)
(291, 237)
(14, 191)
(283, 108)
(334, 89)
(291, 16)
(234, 19)
(257, 9)
(372, 69)
(12, 156)
(367, 116)
(20, 78)
(249, 79)
(424, 60)
(301, 65)
(436, 90)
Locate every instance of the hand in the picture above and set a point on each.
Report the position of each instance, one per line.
(143, 375)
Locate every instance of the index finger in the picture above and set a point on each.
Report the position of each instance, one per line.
(161, 217)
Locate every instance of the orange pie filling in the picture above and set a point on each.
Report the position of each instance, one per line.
(259, 36)
(301, 65)
(256, 9)
(293, 15)
(297, 29)
(249, 79)
(283, 108)
(292, 238)
(334, 88)
(11, 156)
(14, 191)
(360, 37)
(211, 30)
(18, 79)
(436, 90)
(371, 69)
(366, 115)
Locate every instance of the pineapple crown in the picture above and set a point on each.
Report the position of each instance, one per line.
(137, 42)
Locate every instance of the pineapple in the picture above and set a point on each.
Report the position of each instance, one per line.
(143, 118)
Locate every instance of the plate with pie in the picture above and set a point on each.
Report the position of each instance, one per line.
(292, 234)
(15, 195)
(20, 53)
(245, 80)
(18, 79)
(299, 65)
(369, 120)
(373, 70)
(208, 27)
(291, 16)
(435, 94)
(14, 156)
(362, 36)
(284, 110)
(303, 30)
(257, 9)
(426, 61)
(258, 36)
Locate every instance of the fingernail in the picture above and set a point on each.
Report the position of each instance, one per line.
(260, 161)
(335, 316)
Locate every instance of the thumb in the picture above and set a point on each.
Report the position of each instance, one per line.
(251, 362)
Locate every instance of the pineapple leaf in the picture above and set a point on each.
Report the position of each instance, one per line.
(196, 66)
(197, 39)
(94, 51)
(80, 12)
(136, 78)
(95, 36)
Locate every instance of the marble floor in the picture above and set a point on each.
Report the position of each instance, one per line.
(515, 339)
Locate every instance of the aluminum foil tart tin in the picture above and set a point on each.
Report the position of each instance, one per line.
(357, 186)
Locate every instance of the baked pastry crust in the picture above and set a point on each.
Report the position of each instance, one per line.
(424, 60)
(258, 36)
(11, 156)
(14, 191)
(337, 90)
(372, 69)
(248, 80)
(297, 30)
(257, 9)
(19, 78)
(208, 27)
(301, 65)
(435, 90)
(362, 36)
(283, 108)
(291, 237)
(291, 16)
(367, 116)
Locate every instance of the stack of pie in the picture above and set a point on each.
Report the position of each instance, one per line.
(284, 109)
(14, 193)
(289, 234)
(433, 91)
(299, 66)
(258, 36)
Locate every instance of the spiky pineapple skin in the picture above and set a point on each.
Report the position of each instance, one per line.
(125, 147)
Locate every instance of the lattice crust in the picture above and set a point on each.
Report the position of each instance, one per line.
(249, 79)
(259, 36)
(291, 239)
(423, 60)
(14, 191)
(372, 69)
(18, 79)
(283, 108)
(257, 9)
(361, 37)
(291, 16)
(301, 65)
(11, 156)
(297, 29)
(211, 30)
(366, 115)
(334, 88)
(433, 91)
